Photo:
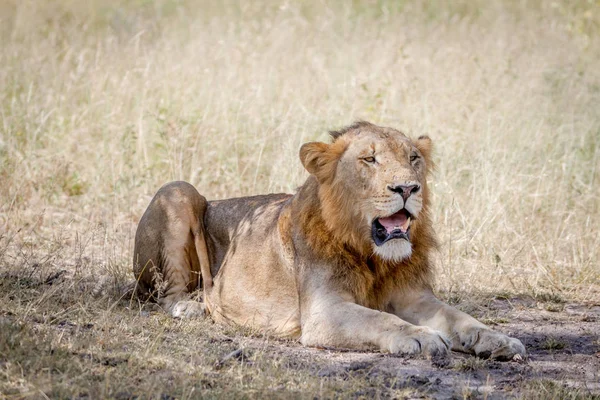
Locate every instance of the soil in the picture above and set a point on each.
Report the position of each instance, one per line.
(57, 339)
(562, 340)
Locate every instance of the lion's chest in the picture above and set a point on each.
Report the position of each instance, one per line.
(368, 286)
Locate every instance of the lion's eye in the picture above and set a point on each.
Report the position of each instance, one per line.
(413, 157)
(369, 159)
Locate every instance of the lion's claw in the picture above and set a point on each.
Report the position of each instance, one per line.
(420, 339)
(188, 309)
(486, 343)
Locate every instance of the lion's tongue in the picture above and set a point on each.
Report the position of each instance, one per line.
(396, 221)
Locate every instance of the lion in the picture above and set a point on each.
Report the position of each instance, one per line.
(344, 262)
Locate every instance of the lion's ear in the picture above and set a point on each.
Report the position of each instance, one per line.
(312, 156)
(425, 146)
(318, 159)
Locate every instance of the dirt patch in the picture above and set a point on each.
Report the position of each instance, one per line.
(60, 340)
(564, 359)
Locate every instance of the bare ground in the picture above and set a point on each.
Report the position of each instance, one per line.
(63, 336)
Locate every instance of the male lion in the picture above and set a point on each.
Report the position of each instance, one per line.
(344, 262)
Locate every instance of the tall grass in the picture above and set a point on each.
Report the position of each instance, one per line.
(103, 102)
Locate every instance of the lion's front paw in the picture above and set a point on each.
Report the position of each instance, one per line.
(188, 309)
(486, 343)
(419, 339)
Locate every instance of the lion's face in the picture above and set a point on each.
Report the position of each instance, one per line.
(384, 173)
(378, 180)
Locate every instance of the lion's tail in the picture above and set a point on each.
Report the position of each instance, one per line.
(202, 251)
(199, 233)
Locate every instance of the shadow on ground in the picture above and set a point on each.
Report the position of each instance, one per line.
(64, 336)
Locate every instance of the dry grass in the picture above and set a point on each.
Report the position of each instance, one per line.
(103, 102)
(548, 390)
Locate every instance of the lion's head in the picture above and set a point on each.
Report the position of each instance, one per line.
(372, 187)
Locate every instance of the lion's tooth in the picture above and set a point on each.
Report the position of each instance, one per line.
(406, 224)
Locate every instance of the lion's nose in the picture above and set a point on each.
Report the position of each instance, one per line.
(405, 190)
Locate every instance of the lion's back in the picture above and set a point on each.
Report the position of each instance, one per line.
(223, 217)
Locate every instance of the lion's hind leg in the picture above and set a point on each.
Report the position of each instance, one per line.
(181, 277)
(170, 238)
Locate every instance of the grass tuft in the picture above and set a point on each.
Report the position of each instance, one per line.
(552, 343)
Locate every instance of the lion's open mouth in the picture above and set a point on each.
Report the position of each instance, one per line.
(395, 226)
